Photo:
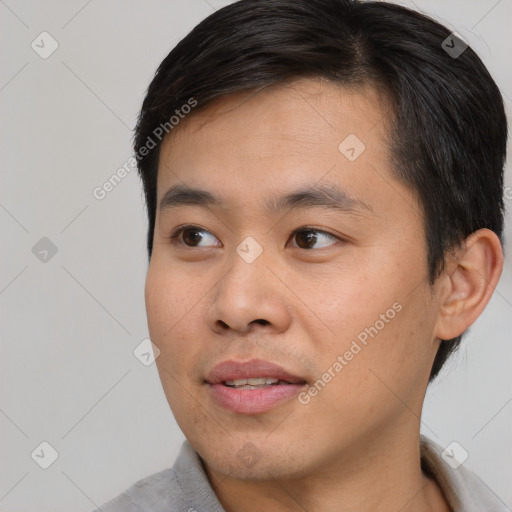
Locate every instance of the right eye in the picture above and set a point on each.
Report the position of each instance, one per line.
(192, 236)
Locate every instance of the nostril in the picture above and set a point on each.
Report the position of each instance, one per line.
(259, 321)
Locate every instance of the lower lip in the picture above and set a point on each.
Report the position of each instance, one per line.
(253, 401)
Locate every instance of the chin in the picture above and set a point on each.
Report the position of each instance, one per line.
(245, 460)
(264, 469)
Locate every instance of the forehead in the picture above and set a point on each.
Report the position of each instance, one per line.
(313, 111)
(281, 137)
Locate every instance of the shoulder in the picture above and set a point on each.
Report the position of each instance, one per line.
(156, 492)
(463, 489)
(182, 488)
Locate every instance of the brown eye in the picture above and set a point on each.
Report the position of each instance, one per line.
(307, 238)
(192, 236)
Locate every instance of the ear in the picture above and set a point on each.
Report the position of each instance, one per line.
(467, 283)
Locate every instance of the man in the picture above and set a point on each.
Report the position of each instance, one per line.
(324, 189)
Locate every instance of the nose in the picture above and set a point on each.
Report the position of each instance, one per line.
(249, 298)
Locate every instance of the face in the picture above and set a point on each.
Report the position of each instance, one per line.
(302, 251)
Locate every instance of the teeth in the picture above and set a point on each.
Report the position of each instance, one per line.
(253, 381)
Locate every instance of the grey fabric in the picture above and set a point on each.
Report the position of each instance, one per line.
(462, 489)
(185, 487)
(182, 488)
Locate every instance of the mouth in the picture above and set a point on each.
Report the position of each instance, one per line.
(252, 387)
(255, 372)
(254, 383)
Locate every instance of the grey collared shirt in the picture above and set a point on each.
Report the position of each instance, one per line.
(186, 488)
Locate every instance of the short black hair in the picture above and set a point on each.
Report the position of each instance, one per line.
(448, 132)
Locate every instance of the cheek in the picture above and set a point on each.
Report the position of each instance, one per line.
(346, 303)
(164, 309)
(379, 318)
(159, 307)
(168, 297)
(175, 315)
(386, 359)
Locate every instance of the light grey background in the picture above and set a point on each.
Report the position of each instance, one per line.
(69, 325)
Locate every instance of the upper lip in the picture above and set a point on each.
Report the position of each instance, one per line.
(233, 370)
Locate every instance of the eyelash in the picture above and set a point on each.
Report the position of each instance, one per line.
(174, 238)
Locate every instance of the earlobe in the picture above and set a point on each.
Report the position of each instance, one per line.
(468, 282)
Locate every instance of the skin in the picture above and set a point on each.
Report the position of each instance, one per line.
(355, 445)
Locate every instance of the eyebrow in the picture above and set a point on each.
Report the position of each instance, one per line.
(319, 196)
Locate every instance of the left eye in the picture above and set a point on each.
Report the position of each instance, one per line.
(307, 238)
